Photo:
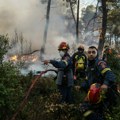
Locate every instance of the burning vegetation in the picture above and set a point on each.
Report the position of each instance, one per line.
(24, 58)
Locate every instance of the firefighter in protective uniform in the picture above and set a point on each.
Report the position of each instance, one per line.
(98, 72)
(65, 75)
(79, 65)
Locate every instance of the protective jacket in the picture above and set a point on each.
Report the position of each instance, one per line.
(98, 72)
(78, 54)
(65, 74)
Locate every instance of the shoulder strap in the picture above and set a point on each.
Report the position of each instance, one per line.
(78, 56)
(83, 57)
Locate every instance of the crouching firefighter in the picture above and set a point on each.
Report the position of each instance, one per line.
(92, 107)
(99, 73)
(65, 75)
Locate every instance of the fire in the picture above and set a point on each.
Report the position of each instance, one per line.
(25, 58)
(34, 59)
(14, 58)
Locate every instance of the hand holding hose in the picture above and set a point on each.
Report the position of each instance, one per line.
(46, 62)
(104, 89)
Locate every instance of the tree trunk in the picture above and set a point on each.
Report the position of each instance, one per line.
(77, 23)
(72, 11)
(104, 26)
(42, 51)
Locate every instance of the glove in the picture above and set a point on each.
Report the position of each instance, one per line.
(46, 62)
(77, 88)
(103, 93)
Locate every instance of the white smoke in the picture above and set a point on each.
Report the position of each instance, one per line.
(29, 17)
(22, 15)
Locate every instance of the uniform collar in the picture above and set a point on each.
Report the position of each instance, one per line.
(66, 54)
(91, 62)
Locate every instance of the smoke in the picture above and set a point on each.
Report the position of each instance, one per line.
(25, 16)
(29, 17)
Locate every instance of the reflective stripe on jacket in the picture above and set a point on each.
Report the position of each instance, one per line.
(64, 69)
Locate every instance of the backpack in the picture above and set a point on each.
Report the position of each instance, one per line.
(80, 62)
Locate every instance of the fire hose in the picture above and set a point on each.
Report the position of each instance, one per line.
(33, 82)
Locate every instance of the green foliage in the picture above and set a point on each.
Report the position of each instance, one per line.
(43, 100)
(114, 63)
(113, 21)
(4, 45)
(116, 112)
(10, 89)
(113, 18)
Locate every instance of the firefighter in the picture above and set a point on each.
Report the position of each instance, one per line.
(99, 72)
(65, 75)
(79, 65)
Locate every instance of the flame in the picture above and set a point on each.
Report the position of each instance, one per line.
(25, 58)
(34, 59)
(14, 58)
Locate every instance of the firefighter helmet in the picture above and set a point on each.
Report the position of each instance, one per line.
(63, 46)
(94, 95)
